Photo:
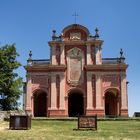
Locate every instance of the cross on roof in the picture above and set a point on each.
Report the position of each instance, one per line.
(75, 15)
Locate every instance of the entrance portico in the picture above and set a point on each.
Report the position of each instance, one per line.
(40, 103)
(75, 103)
(112, 102)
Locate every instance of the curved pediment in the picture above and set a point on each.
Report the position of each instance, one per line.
(75, 32)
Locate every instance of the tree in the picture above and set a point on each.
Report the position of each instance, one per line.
(10, 82)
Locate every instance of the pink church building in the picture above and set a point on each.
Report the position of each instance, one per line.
(76, 80)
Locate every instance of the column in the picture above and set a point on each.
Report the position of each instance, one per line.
(62, 91)
(53, 92)
(123, 92)
(62, 57)
(98, 92)
(24, 100)
(89, 54)
(24, 94)
(89, 92)
(28, 94)
(53, 55)
(32, 104)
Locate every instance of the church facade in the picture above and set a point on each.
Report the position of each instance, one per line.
(76, 80)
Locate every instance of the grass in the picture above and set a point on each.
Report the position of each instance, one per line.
(63, 130)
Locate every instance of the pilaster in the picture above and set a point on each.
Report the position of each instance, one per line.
(62, 92)
(98, 92)
(89, 92)
(53, 92)
(62, 57)
(123, 92)
(89, 61)
(98, 55)
(28, 94)
(53, 55)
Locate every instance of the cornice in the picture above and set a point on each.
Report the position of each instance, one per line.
(78, 42)
(106, 67)
(95, 42)
(47, 68)
(55, 43)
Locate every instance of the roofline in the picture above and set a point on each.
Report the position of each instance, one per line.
(75, 25)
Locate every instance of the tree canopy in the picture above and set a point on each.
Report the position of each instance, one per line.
(10, 82)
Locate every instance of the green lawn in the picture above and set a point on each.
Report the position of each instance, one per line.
(63, 130)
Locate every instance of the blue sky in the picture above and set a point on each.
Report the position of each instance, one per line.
(29, 24)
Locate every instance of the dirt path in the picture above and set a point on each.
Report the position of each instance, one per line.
(3, 125)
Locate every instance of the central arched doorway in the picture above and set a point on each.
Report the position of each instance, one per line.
(40, 104)
(75, 104)
(111, 104)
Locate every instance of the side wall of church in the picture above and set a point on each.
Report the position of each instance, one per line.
(98, 83)
(37, 81)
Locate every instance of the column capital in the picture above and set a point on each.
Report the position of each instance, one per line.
(122, 74)
(98, 43)
(89, 74)
(28, 75)
(88, 44)
(98, 75)
(62, 44)
(62, 75)
(53, 74)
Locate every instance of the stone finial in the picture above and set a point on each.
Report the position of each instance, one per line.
(54, 31)
(121, 53)
(30, 55)
(96, 33)
(122, 58)
(54, 35)
(29, 61)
